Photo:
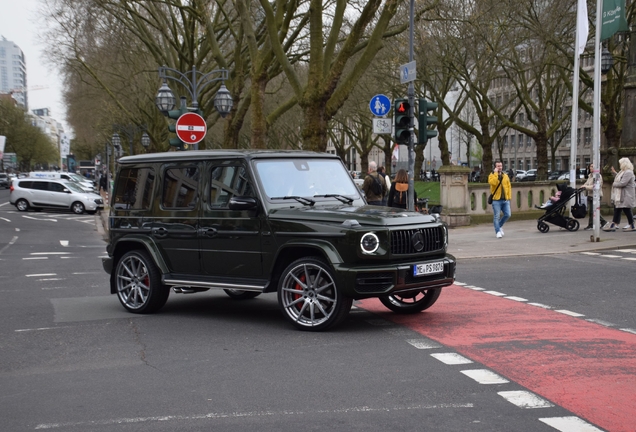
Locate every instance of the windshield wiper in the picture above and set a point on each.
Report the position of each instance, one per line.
(341, 198)
(302, 200)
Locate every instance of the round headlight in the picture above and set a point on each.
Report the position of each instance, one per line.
(369, 243)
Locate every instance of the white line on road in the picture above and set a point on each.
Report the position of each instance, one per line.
(17, 229)
(4, 204)
(35, 258)
(38, 219)
(40, 329)
(363, 409)
(50, 253)
(484, 376)
(451, 358)
(611, 256)
(13, 240)
(5, 219)
(64, 243)
(495, 293)
(567, 312)
(50, 279)
(569, 424)
(525, 399)
(423, 344)
(41, 274)
(628, 330)
(601, 322)
(541, 305)
(519, 299)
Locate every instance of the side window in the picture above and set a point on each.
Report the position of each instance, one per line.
(26, 184)
(56, 187)
(133, 190)
(180, 188)
(40, 185)
(226, 182)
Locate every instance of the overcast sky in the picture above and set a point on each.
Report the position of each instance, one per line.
(18, 23)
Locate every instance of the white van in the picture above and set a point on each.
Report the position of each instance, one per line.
(85, 184)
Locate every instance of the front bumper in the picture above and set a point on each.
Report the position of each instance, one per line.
(366, 282)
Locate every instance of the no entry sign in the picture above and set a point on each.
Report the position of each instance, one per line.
(191, 128)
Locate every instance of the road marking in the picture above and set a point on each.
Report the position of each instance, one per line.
(423, 343)
(567, 312)
(50, 279)
(41, 274)
(451, 358)
(541, 305)
(85, 273)
(5, 219)
(17, 229)
(611, 256)
(40, 329)
(35, 258)
(39, 219)
(519, 299)
(628, 330)
(459, 283)
(495, 293)
(64, 243)
(569, 424)
(484, 376)
(4, 204)
(629, 259)
(68, 257)
(601, 322)
(590, 253)
(50, 253)
(286, 413)
(525, 399)
(13, 240)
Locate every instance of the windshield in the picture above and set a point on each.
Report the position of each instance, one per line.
(304, 177)
(74, 187)
(77, 178)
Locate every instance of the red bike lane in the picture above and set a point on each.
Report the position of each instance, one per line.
(586, 368)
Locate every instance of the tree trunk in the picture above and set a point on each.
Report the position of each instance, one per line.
(315, 131)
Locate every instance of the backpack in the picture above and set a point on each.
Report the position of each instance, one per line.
(376, 186)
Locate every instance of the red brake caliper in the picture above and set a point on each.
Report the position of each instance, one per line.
(299, 288)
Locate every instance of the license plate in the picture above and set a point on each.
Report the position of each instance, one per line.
(428, 268)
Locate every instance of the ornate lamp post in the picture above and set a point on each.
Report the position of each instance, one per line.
(194, 83)
(145, 141)
(129, 131)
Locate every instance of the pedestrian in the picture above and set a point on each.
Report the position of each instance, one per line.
(387, 181)
(623, 196)
(589, 190)
(501, 191)
(374, 187)
(399, 191)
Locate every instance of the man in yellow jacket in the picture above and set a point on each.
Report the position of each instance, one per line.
(501, 191)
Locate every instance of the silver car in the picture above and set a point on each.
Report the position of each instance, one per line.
(53, 194)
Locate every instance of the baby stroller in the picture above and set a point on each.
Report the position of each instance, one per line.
(555, 214)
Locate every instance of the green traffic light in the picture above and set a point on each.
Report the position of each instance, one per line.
(425, 120)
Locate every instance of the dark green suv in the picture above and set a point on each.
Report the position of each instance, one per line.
(252, 222)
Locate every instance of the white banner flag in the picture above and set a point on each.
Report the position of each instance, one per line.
(582, 26)
(65, 145)
(3, 139)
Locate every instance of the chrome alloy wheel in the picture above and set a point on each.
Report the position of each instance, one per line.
(133, 282)
(308, 294)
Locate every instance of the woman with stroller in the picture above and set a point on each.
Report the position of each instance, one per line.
(399, 190)
(623, 195)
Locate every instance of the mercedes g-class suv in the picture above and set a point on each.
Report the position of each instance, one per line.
(252, 222)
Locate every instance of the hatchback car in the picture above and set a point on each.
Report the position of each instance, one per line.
(37, 194)
(254, 222)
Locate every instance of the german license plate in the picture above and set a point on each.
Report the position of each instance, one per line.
(428, 268)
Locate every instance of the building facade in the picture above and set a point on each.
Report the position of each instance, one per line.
(13, 74)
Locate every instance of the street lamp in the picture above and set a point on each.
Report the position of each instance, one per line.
(145, 141)
(165, 100)
(129, 131)
(607, 61)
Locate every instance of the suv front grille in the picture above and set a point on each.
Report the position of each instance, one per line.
(402, 242)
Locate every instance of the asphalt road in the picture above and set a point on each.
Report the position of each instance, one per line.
(71, 358)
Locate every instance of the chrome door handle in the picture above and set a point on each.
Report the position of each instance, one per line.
(159, 232)
(208, 232)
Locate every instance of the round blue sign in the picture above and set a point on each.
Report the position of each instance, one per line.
(380, 105)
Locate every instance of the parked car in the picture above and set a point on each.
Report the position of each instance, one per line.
(566, 175)
(4, 181)
(253, 222)
(531, 175)
(520, 174)
(36, 194)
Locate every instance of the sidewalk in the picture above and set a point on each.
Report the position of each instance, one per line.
(522, 238)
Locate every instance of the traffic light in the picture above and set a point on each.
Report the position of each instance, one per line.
(175, 114)
(402, 120)
(425, 120)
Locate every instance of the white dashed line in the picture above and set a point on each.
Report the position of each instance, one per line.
(50, 253)
(460, 283)
(423, 344)
(50, 279)
(628, 330)
(601, 322)
(484, 376)
(525, 399)
(569, 424)
(64, 243)
(495, 293)
(611, 256)
(629, 259)
(41, 275)
(519, 299)
(35, 258)
(590, 253)
(451, 358)
(5, 219)
(541, 305)
(570, 313)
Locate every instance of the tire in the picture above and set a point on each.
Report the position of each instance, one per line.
(138, 283)
(22, 205)
(235, 294)
(543, 227)
(77, 207)
(313, 306)
(412, 302)
(572, 225)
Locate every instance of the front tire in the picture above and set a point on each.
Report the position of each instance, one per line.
(572, 225)
(235, 294)
(411, 302)
(309, 297)
(77, 207)
(138, 283)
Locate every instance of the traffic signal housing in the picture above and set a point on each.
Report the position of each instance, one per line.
(402, 121)
(425, 120)
(175, 114)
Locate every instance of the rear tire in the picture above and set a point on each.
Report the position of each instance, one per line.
(138, 283)
(413, 302)
(572, 225)
(22, 205)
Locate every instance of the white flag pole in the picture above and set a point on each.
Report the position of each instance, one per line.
(596, 127)
(580, 40)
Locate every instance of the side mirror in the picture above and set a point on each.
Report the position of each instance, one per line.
(242, 203)
(66, 191)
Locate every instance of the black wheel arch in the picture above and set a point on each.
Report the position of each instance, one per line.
(126, 245)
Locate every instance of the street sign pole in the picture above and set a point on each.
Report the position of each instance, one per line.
(411, 95)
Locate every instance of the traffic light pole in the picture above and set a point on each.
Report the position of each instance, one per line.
(411, 95)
